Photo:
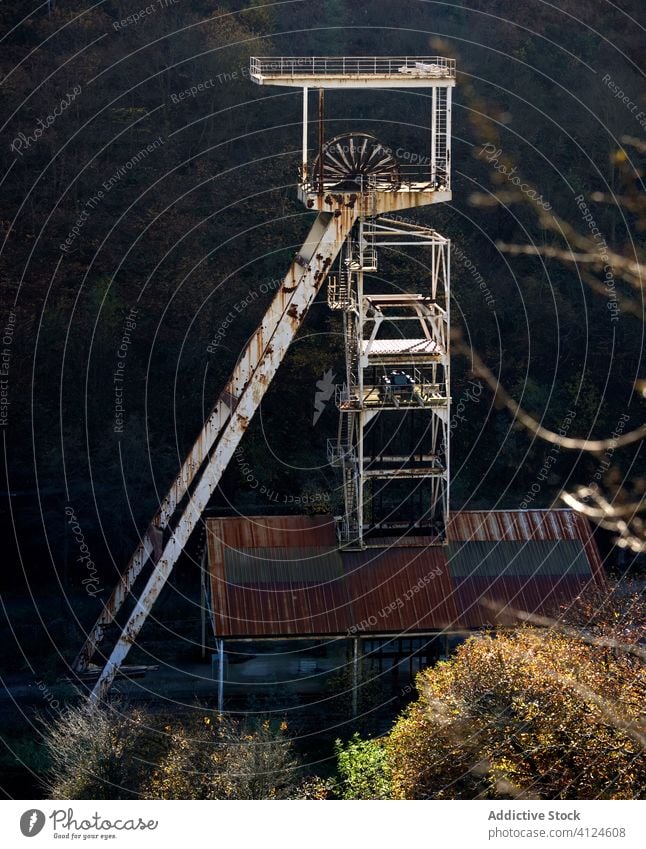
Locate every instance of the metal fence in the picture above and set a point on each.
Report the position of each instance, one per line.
(353, 66)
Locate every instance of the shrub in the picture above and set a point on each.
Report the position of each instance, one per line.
(215, 758)
(535, 713)
(96, 753)
(363, 769)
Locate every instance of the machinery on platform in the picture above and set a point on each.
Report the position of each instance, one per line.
(392, 447)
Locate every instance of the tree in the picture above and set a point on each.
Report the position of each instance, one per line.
(616, 274)
(533, 714)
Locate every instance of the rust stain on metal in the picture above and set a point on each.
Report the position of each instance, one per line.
(292, 311)
(401, 589)
(494, 600)
(296, 588)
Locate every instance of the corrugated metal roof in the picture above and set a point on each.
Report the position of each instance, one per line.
(282, 565)
(513, 524)
(294, 609)
(283, 575)
(274, 531)
(517, 557)
(276, 575)
(486, 601)
(400, 589)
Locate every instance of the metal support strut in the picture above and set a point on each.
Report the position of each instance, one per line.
(214, 448)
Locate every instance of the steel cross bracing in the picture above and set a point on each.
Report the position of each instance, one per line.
(399, 336)
(202, 470)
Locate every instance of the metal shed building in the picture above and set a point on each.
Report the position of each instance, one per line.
(284, 578)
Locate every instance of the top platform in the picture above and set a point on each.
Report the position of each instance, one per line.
(353, 71)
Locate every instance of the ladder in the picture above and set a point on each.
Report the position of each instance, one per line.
(181, 509)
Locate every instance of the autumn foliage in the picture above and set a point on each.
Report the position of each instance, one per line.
(108, 753)
(532, 714)
(215, 758)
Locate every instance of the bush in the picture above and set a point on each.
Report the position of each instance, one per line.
(363, 769)
(214, 758)
(533, 714)
(101, 753)
(96, 753)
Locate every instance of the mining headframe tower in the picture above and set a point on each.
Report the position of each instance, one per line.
(393, 441)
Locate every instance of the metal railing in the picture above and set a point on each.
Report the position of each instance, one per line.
(420, 176)
(353, 66)
(345, 397)
(365, 184)
(338, 454)
(411, 177)
(340, 294)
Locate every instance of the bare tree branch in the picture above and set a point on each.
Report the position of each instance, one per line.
(503, 398)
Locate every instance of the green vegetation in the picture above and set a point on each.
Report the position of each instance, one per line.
(364, 771)
(535, 713)
(524, 715)
(547, 713)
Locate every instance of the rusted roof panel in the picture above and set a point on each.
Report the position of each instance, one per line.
(488, 600)
(514, 525)
(274, 531)
(400, 589)
(292, 609)
(276, 575)
(493, 525)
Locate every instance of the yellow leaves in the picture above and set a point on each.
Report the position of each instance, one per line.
(540, 706)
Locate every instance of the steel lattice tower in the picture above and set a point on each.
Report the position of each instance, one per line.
(393, 439)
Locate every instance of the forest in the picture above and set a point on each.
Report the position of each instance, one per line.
(149, 212)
